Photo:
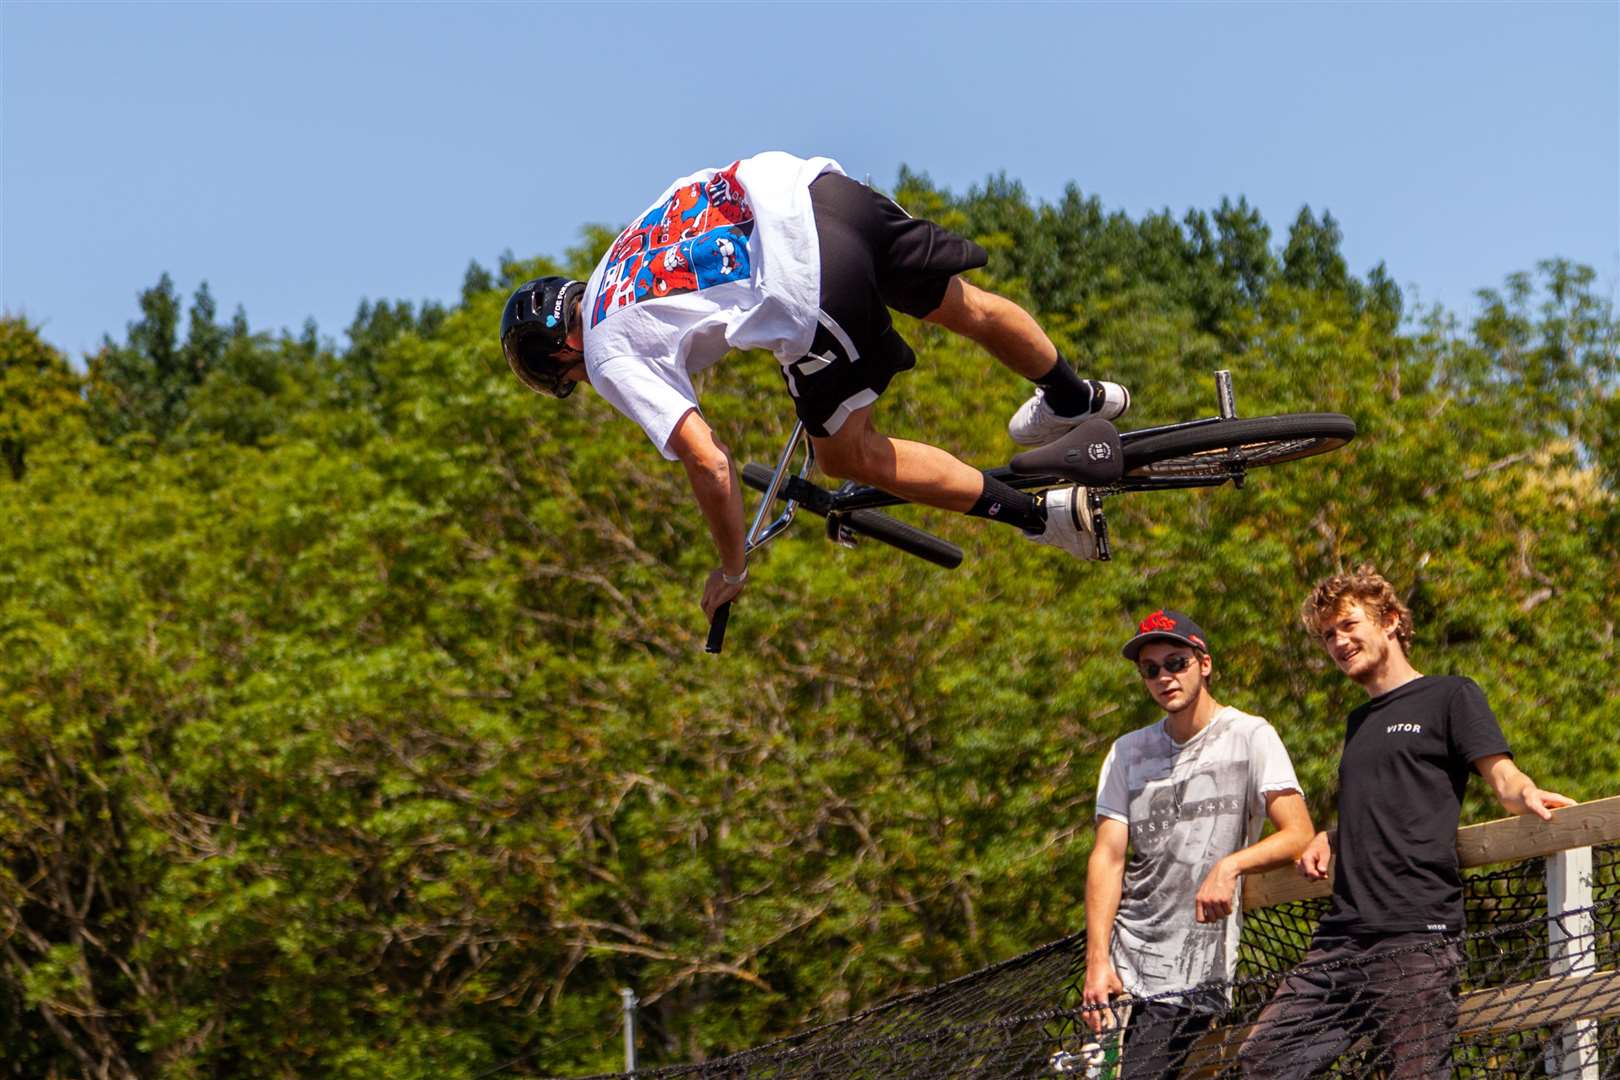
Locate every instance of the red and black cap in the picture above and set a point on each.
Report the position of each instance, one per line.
(1166, 625)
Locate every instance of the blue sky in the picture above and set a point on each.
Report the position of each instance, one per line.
(302, 157)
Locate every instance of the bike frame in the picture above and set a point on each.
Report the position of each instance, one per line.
(798, 490)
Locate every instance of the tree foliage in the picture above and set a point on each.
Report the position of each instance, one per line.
(355, 720)
(40, 403)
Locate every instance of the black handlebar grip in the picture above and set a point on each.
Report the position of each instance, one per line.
(717, 628)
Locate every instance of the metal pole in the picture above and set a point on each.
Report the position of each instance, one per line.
(629, 997)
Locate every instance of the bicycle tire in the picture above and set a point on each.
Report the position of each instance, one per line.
(1216, 451)
(908, 538)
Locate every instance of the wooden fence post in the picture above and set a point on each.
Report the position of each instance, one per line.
(1572, 1052)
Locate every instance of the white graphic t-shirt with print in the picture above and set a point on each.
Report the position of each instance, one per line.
(1187, 805)
(723, 259)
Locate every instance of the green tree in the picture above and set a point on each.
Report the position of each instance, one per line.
(145, 384)
(40, 405)
(1311, 259)
(361, 729)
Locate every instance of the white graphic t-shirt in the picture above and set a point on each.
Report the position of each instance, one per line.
(1187, 805)
(723, 259)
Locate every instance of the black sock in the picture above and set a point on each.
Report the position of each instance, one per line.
(1067, 393)
(1003, 503)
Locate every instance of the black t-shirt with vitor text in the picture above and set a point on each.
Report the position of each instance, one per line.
(1407, 757)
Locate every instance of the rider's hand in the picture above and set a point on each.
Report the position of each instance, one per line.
(1317, 858)
(1102, 984)
(717, 591)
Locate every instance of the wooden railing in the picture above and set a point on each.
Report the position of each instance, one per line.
(1574, 996)
(1508, 840)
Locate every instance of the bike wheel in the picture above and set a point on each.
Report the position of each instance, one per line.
(908, 538)
(1215, 452)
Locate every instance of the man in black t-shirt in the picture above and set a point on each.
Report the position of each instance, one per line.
(1384, 961)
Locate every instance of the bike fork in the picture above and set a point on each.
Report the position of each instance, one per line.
(760, 532)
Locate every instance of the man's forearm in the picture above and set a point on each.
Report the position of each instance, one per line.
(719, 497)
(1278, 849)
(1293, 834)
(1104, 885)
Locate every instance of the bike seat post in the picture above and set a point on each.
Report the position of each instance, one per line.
(1224, 395)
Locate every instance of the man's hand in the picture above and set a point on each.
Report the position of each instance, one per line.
(1516, 792)
(717, 592)
(1542, 803)
(1102, 984)
(1214, 900)
(1316, 861)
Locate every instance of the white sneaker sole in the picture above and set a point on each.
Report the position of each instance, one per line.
(1068, 523)
(1036, 424)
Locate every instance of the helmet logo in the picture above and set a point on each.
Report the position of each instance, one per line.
(556, 308)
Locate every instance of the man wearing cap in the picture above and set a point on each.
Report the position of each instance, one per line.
(1186, 798)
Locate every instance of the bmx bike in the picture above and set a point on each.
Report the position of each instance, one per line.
(1210, 452)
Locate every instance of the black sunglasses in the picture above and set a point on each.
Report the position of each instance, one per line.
(1175, 666)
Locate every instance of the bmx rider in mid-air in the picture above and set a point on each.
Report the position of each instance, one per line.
(790, 255)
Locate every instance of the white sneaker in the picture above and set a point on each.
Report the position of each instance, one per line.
(1036, 424)
(1068, 523)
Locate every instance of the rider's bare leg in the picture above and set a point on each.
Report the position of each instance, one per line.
(1011, 335)
(1005, 330)
(914, 471)
(926, 474)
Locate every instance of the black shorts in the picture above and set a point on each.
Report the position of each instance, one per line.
(874, 256)
(1402, 989)
(1160, 1036)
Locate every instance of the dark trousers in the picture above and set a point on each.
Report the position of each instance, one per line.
(1158, 1038)
(1401, 989)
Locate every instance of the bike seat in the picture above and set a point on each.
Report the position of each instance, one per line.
(1090, 454)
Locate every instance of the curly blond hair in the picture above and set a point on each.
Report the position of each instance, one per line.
(1365, 586)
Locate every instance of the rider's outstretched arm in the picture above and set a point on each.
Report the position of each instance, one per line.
(716, 487)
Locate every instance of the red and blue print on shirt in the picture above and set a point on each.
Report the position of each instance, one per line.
(697, 238)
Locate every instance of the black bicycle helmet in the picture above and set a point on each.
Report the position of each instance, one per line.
(534, 328)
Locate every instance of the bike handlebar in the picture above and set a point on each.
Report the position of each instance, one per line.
(717, 628)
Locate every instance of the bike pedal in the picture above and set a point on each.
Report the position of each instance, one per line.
(1099, 526)
(838, 532)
